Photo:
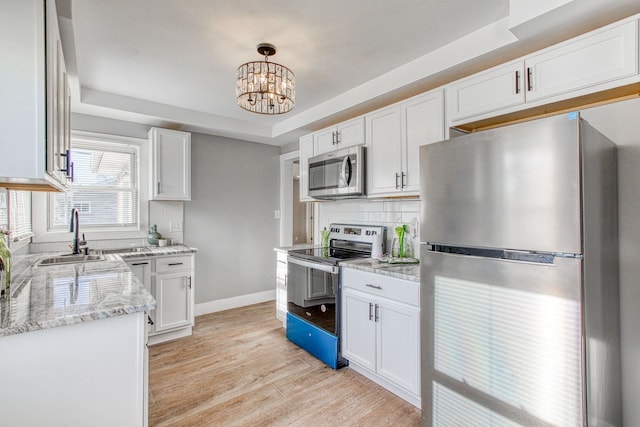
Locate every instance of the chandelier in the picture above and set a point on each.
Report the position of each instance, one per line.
(265, 87)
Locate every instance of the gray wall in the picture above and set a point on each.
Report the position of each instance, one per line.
(96, 124)
(230, 218)
(292, 146)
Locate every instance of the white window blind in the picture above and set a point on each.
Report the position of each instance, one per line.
(4, 212)
(105, 190)
(20, 215)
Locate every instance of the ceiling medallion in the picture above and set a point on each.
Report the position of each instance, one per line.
(265, 87)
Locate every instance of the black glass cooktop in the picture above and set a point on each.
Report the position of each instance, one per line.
(328, 255)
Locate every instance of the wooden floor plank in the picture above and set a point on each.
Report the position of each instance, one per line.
(238, 369)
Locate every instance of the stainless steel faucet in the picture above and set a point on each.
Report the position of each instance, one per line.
(74, 227)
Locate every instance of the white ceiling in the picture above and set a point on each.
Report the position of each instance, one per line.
(173, 63)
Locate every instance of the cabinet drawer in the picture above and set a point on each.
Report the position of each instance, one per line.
(174, 263)
(376, 284)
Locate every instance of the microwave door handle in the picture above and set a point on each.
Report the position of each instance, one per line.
(346, 170)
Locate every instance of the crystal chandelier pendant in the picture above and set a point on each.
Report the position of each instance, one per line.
(265, 87)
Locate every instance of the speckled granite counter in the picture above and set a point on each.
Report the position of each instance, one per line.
(45, 297)
(147, 251)
(399, 271)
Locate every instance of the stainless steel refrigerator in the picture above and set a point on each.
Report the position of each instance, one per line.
(519, 277)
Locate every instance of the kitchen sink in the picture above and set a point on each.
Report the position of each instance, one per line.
(121, 250)
(70, 259)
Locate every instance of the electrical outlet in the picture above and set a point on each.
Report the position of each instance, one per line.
(175, 226)
(276, 214)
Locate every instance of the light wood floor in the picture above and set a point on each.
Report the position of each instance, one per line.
(238, 369)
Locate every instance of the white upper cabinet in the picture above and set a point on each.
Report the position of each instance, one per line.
(394, 135)
(305, 152)
(170, 164)
(345, 134)
(422, 123)
(602, 56)
(384, 153)
(59, 161)
(497, 88)
(35, 102)
(593, 62)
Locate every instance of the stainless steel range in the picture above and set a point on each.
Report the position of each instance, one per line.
(313, 289)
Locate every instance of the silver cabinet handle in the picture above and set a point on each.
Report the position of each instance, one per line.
(377, 312)
(397, 176)
(529, 79)
(158, 185)
(369, 285)
(149, 321)
(370, 311)
(517, 81)
(189, 282)
(175, 263)
(402, 180)
(140, 263)
(337, 137)
(286, 280)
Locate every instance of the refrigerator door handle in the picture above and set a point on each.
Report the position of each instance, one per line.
(503, 254)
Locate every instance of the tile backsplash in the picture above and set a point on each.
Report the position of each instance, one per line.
(169, 217)
(390, 213)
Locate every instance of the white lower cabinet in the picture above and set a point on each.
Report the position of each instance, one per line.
(381, 330)
(173, 296)
(170, 280)
(281, 287)
(85, 374)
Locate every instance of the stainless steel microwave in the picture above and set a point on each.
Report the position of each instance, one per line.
(337, 174)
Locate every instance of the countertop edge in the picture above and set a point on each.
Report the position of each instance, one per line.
(127, 295)
(409, 272)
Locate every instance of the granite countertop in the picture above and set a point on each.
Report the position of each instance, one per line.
(399, 271)
(147, 251)
(45, 297)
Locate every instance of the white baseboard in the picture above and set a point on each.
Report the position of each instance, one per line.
(234, 302)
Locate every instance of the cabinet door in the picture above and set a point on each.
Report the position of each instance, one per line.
(358, 329)
(306, 151)
(324, 141)
(384, 161)
(142, 270)
(58, 110)
(170, 164)
(423, 123)
(488, 91)
(173, 299)
(398, 339)
(351, 133)
(600, 57)
(281, 287)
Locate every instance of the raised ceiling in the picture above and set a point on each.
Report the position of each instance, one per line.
(173, 63)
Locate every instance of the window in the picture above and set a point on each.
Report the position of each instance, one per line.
(15, 214)
(20, 215)
(105, 190)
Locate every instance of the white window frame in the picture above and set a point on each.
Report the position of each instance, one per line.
(40, 213)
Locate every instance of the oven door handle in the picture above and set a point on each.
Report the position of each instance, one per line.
(315, 265)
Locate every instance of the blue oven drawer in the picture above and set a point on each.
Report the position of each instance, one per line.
(316, 341)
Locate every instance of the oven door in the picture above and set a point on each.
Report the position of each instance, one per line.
(311, 292)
